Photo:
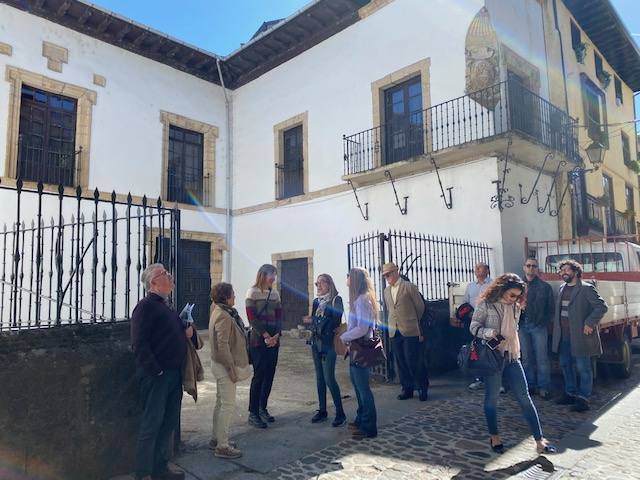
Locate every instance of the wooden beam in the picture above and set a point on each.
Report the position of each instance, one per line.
(82, 19)
(104, 24)
(203, 62)
(123, 32)
(155, 47)
(173, 51)
(187, 58)
(38, 4)
(140, 38)
(63, 9)
(316, 21)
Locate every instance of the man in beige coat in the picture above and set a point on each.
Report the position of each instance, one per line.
(405, 307)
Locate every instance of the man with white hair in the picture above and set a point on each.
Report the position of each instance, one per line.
(158, 341)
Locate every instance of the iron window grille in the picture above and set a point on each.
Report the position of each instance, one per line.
(290, 173)
(46, 137)
(185, 179)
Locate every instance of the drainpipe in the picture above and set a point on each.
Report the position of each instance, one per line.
(564, 70)
(228, 176)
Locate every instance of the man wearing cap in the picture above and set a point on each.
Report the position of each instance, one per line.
(405, 307)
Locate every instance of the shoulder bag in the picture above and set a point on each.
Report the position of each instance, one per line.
(479, 358)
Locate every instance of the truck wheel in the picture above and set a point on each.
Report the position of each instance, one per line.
(623, 370)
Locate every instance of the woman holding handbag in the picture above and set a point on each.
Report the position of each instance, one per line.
(229, 363)
(326, 317)
(495, 320)
(264, 313)
(363, 311)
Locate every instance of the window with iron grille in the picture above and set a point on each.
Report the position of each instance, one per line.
(290, 172)
(599, 68)
(618, 86)
(576, 36)
(626, 149)
(595, 111)
(185, 170)
(628, 193)
(47, 137)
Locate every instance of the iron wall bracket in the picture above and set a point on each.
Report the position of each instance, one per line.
(403, 211)
(365, 213)
(447, 202)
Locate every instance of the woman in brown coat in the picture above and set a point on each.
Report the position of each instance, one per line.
(229, 362)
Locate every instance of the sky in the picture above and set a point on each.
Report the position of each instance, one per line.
(221, 26)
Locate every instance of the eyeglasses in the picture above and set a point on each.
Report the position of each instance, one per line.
(530, 265)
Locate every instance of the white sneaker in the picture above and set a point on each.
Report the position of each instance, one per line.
(502, 390)
(476, 385)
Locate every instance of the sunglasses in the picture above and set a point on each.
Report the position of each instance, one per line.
(530, 265)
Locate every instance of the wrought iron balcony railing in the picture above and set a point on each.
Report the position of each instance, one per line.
(625, 224)
(505, 107)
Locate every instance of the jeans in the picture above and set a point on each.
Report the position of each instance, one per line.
(224, 409)
(264, 360)
(162, 397)
(325, 365)
(514, 376)
(366, 414)
(535, 356)
(571, 365)
(411, 366)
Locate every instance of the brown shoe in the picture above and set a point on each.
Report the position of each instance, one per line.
(353, 426)
(227, 452)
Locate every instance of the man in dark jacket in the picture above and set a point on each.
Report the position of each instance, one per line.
(575, 334)
(534, 330)
(158, 341)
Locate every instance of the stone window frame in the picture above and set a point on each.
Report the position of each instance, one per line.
(278, 141)
(420, 68)
(515, 63)
(216, 240)
(86, 99)
(210, 136)
(276, 260)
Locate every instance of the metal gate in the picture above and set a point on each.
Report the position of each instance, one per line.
(430, 262)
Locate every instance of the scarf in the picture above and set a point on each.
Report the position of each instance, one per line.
(234, 314)
(324, 300)
(509, 330)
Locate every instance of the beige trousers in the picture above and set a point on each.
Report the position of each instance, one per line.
(225, 406)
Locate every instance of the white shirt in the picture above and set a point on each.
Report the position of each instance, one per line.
(394, 290)
(474, 290)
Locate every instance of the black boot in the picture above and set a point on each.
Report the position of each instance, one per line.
(255, 421)
(566, 399)
(424, 395)
(265, 416)
(340, 420)
(580, 405)
(320, 416)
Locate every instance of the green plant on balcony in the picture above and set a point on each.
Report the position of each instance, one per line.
(581, 52)
(633, 165)
(605, 78)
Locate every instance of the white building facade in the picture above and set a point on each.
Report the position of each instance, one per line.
(451, 99)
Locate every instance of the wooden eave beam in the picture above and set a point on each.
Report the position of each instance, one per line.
(63, 8)
(173, 51)
(123, 32)
(104, 24)
(139, 39)
(82, 19)
(156, 46)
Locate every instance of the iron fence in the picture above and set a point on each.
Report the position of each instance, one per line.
(431, 262)
(496, 110)
(79, 258)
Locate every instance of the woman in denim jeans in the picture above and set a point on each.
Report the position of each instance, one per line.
(326, 316)
(496, 319)
(362, 318)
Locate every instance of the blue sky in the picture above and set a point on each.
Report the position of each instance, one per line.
(220, 26)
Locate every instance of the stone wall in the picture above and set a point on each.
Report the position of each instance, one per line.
(68, 403)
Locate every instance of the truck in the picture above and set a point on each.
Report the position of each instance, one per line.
(612, 265)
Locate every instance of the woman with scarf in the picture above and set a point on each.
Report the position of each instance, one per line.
(326, 317)
(496, 319)
(229, 363)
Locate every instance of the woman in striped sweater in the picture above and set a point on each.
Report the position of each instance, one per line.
(264, 313)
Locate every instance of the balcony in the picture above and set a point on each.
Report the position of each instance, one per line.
(625, 224)
(481, 119)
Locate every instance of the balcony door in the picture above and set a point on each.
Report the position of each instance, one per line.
(404, 127)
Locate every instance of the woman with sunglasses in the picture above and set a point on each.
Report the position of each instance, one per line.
(326, 317)
(496, 320)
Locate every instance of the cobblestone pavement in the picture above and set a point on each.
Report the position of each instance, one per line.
(447, 439)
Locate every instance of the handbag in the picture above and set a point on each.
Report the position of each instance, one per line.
(479, 358)
(367, 352)
(338, 346)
